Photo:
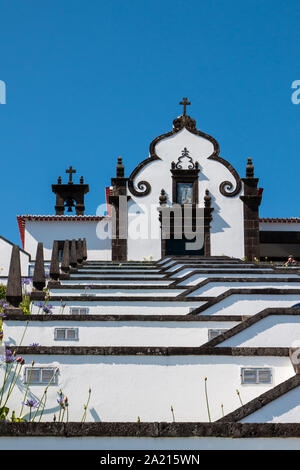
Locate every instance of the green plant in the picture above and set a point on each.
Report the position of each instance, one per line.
(206, 397)
(25, 305)
(85, 407)
(238, 394)
(2, 291)
(172, 411)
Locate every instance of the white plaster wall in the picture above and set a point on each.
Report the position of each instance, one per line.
(272, 331)
(114, 333)
(124, 307)
(47, 231)
(5, 255)
(155, 292)
(196, 278)
(216, 288)
(247, 304)
(125, 387)
(96, 282)
(147, 443)
(227, 232)
(285, 409)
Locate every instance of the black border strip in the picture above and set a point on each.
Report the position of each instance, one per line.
(148, 351)
(155, 429)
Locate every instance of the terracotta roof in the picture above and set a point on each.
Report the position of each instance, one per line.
(288, 220)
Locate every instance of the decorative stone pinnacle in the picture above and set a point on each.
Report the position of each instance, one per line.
(14, 284)
(207, 199)
(249, 169)
(39, 279)
(120, 169)
(162, 198)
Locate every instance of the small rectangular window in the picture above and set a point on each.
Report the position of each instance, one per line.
(78, 310)
(39, 375)
(213, 333)
(254, 375)
(65, 333)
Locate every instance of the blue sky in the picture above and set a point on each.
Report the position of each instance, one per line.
(88, 81)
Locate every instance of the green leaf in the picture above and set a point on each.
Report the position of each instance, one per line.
(4, 412)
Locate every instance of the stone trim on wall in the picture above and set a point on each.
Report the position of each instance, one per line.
(155, 429)
(148, 351)
(19, 316)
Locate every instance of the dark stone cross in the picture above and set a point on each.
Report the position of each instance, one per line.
(185, 103)
(70, 171)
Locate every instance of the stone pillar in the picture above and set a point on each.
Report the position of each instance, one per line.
(119, 200)
(65, 263)
(73, 258)
(84, 249)
(252, 198)
(39, 278)
(54, 266)
(14, 282)
(79, 251)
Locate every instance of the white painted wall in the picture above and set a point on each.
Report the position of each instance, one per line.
(125, 387)
(227, 232)
(196, 278)
(272, 331)
(155, 292)
(124, 307)
(247, 304)
(47, 231)
(285, 409)
(5, 255)
(216, 288)
(114, 333)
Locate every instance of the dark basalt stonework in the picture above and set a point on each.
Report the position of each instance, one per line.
(149, 351)
(155, 429)
(14, 285)
(70, 195)
(39, 278)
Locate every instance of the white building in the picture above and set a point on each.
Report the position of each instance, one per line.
(192, 342)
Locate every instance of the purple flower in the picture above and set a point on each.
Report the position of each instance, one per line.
(31, 403)
(2, 315)
(26, 281)
(9, 357)
(34, 345)
(47, 309)
(3, 304)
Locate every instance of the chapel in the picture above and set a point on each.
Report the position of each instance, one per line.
(169, 320)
